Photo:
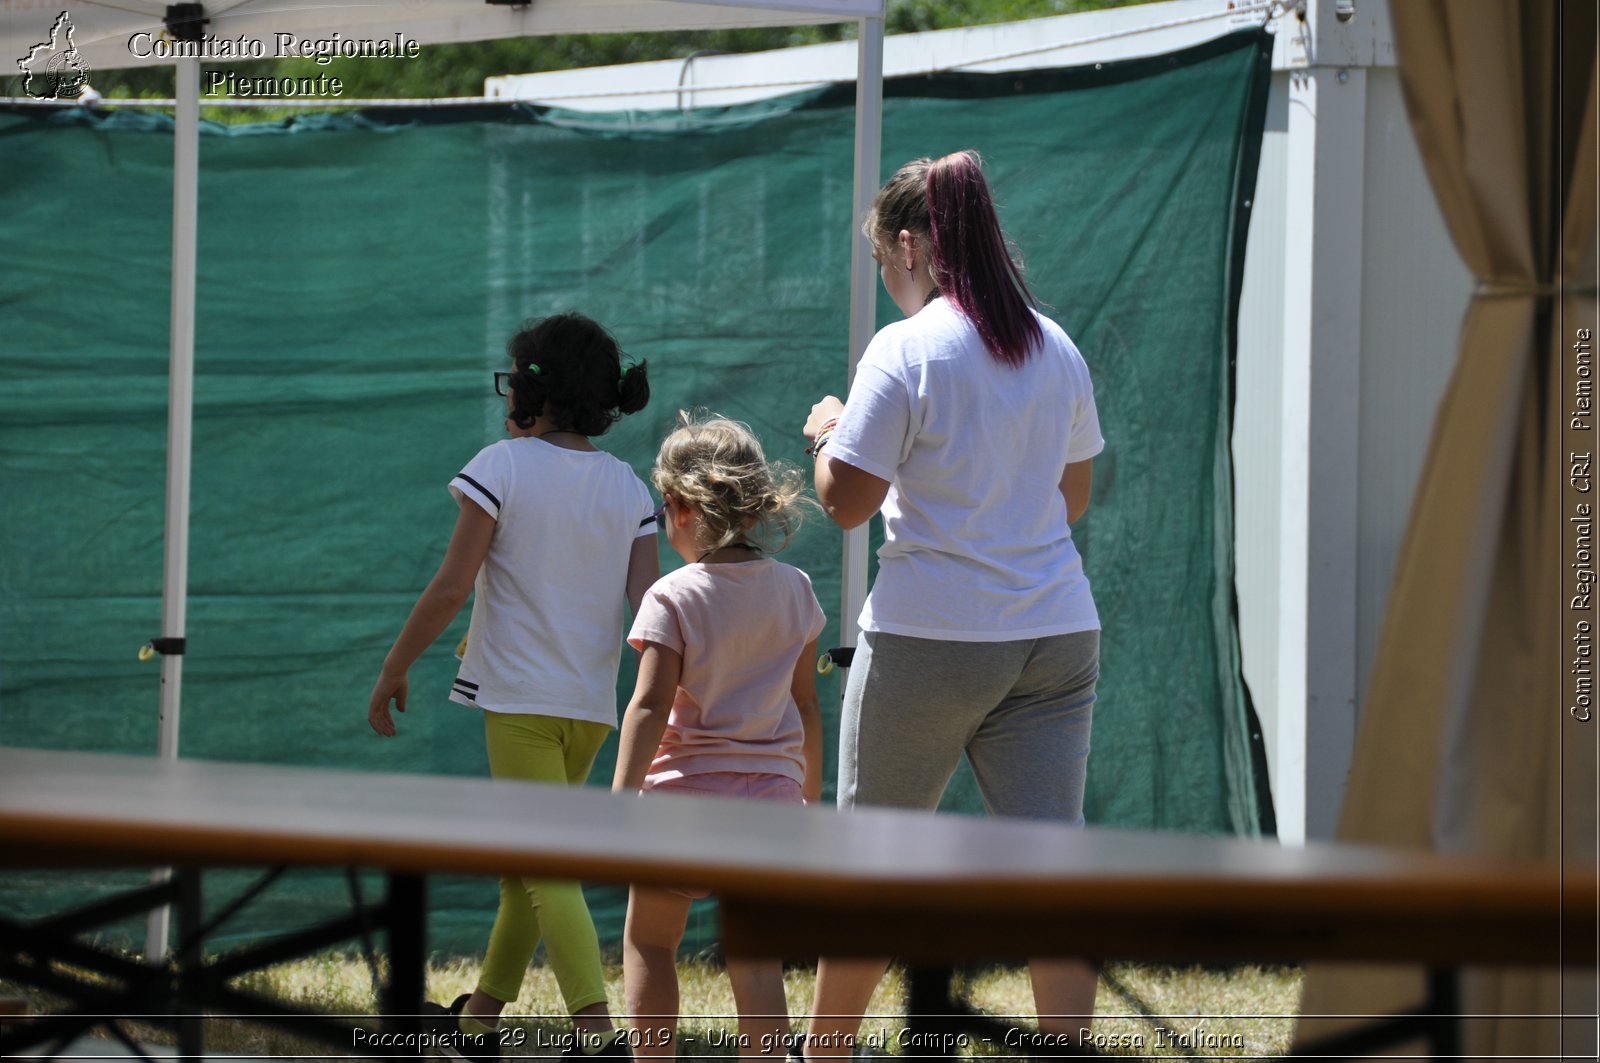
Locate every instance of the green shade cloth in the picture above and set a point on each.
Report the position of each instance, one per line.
(358, 278)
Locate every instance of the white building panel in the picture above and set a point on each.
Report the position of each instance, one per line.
(1258, 411)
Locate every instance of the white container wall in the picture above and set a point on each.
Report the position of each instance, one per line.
(1395, 291)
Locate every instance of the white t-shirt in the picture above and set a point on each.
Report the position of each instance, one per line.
(976, 543)
(740, 627)
(547, 616)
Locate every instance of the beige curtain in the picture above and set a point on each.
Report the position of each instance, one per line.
(1464, 726)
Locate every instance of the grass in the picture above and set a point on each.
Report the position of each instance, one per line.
(1239, 1012)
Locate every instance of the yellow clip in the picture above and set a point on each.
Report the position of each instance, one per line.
(146, 652)
(825, 664)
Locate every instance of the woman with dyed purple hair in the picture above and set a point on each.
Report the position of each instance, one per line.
(971, 426)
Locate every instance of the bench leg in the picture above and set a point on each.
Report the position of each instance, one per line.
(191, 965)
(408, 953)
(932, 1024)
(1444, 1007)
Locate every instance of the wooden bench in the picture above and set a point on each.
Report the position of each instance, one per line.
(793, 881)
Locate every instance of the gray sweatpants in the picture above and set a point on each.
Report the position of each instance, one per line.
(1021, 711)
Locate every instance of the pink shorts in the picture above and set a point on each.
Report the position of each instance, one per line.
(764, 787)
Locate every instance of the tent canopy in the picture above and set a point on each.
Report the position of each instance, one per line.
(105, 31)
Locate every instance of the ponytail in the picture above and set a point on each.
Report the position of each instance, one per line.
(971, 263)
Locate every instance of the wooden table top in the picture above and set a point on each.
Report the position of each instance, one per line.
(798, 880)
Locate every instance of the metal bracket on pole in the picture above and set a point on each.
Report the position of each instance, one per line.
(164, 646)
(186, 22)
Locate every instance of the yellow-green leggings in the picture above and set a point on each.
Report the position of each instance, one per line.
(543, 749)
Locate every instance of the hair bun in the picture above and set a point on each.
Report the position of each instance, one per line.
(633, 389)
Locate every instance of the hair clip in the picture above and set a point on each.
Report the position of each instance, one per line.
(533, 368)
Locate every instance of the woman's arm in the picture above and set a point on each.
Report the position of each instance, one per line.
(645, 720)
(848, 495)
(439, 603)
(1075, 484)
(803, 687)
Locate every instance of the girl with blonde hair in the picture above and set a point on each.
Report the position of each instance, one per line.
(726, 700)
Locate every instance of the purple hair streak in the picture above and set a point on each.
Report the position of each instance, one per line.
(970, 259)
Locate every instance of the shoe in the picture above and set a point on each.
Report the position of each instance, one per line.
(444, 1024)
(617, 1049)
(796, 1050)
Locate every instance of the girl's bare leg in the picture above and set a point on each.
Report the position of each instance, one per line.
(650, 940)
(593, 1021)
(844, 989)
(1063, 994)
(763, 1010)
(484, 1008)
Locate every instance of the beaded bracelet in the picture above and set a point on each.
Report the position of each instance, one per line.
(821, 439)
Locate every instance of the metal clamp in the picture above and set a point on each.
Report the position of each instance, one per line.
(164, 646)
(839, 655)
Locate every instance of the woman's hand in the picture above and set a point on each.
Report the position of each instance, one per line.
(390, 686)
(829, 408)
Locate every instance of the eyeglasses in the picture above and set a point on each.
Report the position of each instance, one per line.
(659, 516)
(502, 383)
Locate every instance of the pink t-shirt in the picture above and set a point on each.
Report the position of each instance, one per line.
(740, 628)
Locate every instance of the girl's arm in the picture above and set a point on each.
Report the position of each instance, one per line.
(804, 689)
(645, 720)
(644, 568)
(443, 598)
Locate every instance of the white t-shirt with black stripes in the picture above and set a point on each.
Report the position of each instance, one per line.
(547, 615)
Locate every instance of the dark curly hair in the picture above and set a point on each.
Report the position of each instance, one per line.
(569, 367)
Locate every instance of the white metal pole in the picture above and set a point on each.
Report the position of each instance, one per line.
(1318, 643)
(180, 417)
(863, 285)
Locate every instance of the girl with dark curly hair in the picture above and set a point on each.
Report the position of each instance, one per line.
(553, 534)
